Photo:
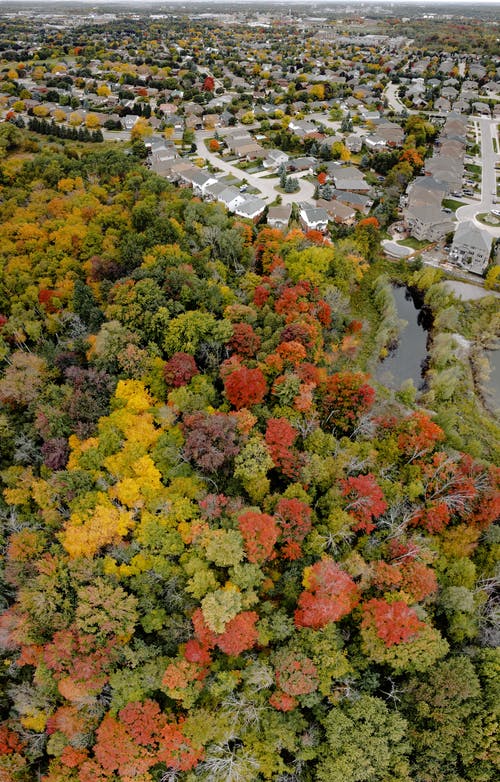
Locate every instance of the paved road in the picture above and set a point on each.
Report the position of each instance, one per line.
(391, 93)
(265, 186)
(489, 157)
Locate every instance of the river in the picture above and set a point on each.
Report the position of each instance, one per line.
(407, 360)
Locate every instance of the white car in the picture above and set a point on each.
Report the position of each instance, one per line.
(495, 212)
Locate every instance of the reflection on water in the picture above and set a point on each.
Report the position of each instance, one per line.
(408, 358)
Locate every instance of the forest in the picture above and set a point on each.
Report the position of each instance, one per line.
(227, 553)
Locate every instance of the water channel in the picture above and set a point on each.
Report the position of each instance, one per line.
(407, 360)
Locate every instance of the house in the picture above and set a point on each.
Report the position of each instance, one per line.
(302, 127)
(174, 168)
(252, 208)
(374, 141)
(161, 159)
(360, 203)
(128, 121)
(481, 108)
(354, 143)
(349, 178)
(338, 212)
(198, 180)
(249, 150)
(471, 247)
(302, 164)
(442, 104)
(391, 133)
(212, 191)
(276, 158)
(230, 197)
(428, 223)
(279, 216)
(313, 218)
(446, 170)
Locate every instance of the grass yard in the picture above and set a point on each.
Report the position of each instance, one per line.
(415, 244)
(450, 203)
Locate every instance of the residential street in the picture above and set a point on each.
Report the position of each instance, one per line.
(488, 186)
(391, 93)
(265, 186)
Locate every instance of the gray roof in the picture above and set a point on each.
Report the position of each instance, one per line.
(250, 207)
(469, 234)
(281, 212)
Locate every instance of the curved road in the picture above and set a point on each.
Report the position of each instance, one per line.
(265, 186)
(488, 180)
(391, 93)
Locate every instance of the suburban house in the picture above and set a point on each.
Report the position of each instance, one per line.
(338, 212)
(279, 216)
(302, 164)
(230, 197)
(428, 223)
(354, 143)
(471, 247)
(349, 178)
(360, 203)
(302, 127)
(275, 158)
(252, 208)
(374, 141)
(313, 218)
(198, 180)
(212, 191)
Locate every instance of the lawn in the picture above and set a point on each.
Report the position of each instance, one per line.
(415, 244)
(449, 203)
(488, 219)
(473, 168)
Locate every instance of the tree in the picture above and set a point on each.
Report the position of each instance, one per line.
(245, 387)
(179, 369)
(345, 397)
(208, 84)
(214, 145)
(365, 742)
(92, 121)
(393, 622)
(330, 594)
(280, 437)
(295, 673)
(244, 341)
(294, 518)
(260, 533)
(211, 440)
(141, 130)
(240, 634)
(366, 500)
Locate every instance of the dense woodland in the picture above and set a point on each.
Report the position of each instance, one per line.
(227, 553)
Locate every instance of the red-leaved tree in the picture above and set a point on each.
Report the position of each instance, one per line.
(245, 387)
(260, 533)
(365, 500)
(331, 594)
(394, 623)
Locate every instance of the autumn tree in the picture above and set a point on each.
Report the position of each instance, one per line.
(330, 594)
(245, 387)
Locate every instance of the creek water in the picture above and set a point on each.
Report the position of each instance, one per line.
(406, 361)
